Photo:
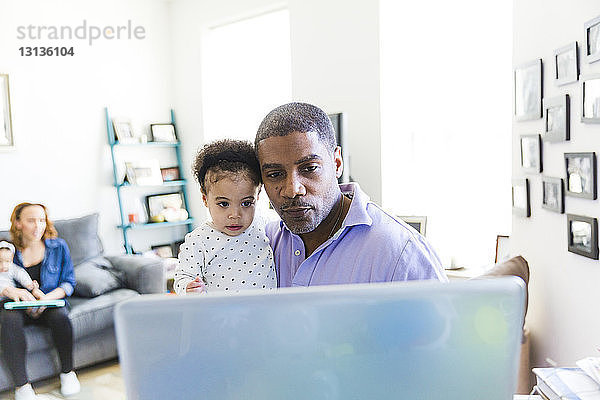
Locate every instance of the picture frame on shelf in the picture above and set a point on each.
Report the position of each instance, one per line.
(581, 175)
(557, 119)
(419, 223)
(170, 174)
(163, 133)
(582, 234)
(6, 132)
(590, 99)
(520, 197)
(592, 40)
(531, 153)
(124, 132)
(528, 90)
(163, 250)
(502, 248)
(166, 207)
(175, 247)
(143, 173)
(566, 64)
(553, 195)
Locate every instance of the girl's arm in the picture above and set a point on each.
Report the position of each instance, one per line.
(188, 274)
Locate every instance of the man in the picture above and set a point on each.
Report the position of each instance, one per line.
(329, 234)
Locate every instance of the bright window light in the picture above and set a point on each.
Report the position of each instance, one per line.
(446, 121)
(247, 72)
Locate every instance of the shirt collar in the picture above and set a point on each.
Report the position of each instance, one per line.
(357, 214)
(51, 243)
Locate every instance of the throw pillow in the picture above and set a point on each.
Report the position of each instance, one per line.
(97, 276)
(81, 235)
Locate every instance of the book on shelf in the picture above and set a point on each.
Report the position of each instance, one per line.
(566, 384)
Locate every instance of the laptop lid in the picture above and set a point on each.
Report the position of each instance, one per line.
(413, 340)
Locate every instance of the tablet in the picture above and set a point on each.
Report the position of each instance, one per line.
(19, 305)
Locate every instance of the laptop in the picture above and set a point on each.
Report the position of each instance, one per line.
(409, 340)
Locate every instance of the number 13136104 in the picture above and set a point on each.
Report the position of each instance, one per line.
(46, 51)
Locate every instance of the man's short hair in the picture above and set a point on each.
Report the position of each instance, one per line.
(297, 117)
(226, 158)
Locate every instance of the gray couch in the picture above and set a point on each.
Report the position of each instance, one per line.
(102, 282)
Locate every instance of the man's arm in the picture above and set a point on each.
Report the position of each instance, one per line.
(418, 261)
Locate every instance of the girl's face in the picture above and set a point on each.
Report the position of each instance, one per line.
(32, 223)
(231, 203)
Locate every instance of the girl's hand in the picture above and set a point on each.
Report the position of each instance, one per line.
(196, 286)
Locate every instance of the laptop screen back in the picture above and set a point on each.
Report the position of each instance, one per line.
(385, 341)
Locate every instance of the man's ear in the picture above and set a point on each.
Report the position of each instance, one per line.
(338, 161)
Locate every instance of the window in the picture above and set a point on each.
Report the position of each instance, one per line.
(446, 121)
(247, 72)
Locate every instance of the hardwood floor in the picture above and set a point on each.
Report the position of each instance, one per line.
(100, 382)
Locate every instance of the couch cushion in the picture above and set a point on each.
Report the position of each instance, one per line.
(89, 316)
(81, 235)
(97, 276)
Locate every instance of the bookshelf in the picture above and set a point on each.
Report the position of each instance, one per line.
(121, 185)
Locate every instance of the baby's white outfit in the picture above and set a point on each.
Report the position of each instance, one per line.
(227, 263)
(14, 274)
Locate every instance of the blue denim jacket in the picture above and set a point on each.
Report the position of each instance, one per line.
(57, 267)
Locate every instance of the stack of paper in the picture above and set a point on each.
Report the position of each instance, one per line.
(566, 384)
(591, 366)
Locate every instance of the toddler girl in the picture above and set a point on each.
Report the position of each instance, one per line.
(231, 252)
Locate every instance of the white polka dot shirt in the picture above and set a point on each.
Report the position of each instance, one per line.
(226, 263)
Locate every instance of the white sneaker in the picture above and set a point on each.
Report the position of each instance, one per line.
(25, 392)
(69, 384)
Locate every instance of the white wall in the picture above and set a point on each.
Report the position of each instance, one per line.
(564, 286)
(62, 158)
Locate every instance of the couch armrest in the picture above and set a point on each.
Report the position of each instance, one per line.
(516, 266)
(143, 274)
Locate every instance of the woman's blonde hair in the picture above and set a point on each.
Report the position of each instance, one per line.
(17, 236)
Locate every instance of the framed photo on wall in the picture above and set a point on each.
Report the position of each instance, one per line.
(582, 234)
(520, 197)
(528, 90)
(553, 195)
(531, 153)
(592, 40)
(590, 99)
(6, 133)
(581, 175)
(556, 119)
(419, 223)
(566, 64)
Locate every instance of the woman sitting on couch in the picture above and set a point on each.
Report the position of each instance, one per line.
(47, 260)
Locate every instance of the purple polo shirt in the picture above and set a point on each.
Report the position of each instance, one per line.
(371, 246)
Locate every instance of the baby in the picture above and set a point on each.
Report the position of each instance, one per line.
(11, 273)
(231, 252)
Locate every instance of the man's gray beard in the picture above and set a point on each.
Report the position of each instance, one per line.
(300, 228)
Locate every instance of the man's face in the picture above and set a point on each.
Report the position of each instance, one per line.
(300, 178)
